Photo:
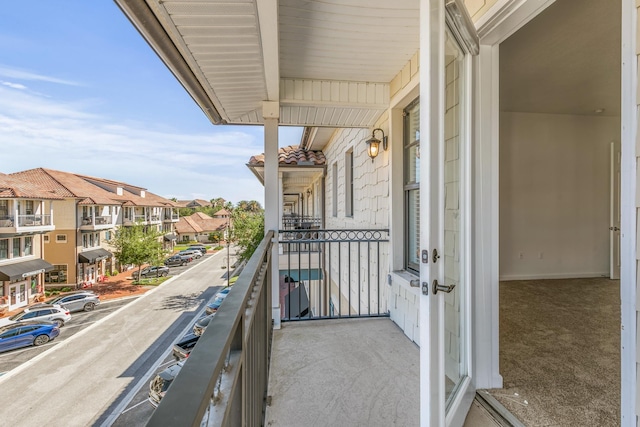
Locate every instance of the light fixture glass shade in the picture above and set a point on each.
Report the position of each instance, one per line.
(373, 147)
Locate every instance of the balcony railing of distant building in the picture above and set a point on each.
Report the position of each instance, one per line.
(224, 380)
(6, 221)
(171, 217)
(332, 273)
(300, 222)
(98, 220)
(33, 220)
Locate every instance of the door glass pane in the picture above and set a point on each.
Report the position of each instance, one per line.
(454, 333)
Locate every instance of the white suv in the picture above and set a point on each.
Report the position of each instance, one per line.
(49, 313)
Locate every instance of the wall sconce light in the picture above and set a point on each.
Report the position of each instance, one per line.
(373, 144)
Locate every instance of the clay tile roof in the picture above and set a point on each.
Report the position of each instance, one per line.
(200, 222)
(187, 225)
(15, 187)
(293, 155)
(222, 212)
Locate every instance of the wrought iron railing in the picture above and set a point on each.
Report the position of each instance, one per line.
(332, 273)
(301, 222)
(224, 380)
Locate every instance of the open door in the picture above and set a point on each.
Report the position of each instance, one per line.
(614, 209)
(448, 41)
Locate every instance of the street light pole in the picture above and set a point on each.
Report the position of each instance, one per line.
(228, 254)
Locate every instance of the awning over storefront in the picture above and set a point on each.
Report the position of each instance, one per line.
(22, 270)
(302, 274)
(170, 237)
(95, 255)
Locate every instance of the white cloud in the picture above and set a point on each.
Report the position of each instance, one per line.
(40, 132)
(15, 73)
(13, 85)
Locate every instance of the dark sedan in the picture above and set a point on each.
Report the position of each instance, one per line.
(24, 334)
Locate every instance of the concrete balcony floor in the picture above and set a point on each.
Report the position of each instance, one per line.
(347, 372)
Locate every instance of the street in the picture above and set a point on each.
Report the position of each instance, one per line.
(79, 321)
(104, 369)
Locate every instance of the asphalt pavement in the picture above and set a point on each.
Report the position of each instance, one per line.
(89, 378)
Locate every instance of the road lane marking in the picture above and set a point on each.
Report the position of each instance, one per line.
(135, 406)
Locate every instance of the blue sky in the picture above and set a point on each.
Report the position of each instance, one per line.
(81, 91)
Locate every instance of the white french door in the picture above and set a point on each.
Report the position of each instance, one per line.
(445, 309)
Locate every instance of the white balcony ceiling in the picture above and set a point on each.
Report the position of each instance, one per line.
(328, 63)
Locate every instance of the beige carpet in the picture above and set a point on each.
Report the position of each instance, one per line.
(560, 351)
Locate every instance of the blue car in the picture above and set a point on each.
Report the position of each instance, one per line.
(213, 306)
(24, 334)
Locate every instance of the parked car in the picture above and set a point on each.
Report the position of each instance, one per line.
(214, 305)
(193, 252)
(176, 260)
(202, 323)
(201, 248)
(182, 348)
(160, 384)
(44, 312)
(152, 271)
(76, 301)
(24, 334)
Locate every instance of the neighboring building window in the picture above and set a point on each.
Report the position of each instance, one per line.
(107, 235)
(16, 247)
(29, 207)
(412, 185)
(334, 189)
(46, 238)
(57, 275)
(61, 238)
(4, 248)
(28, 246)
(348, 177)
(4, 209)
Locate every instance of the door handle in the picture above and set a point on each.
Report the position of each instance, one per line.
(443, 288)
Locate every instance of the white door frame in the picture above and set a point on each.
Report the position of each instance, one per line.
(506, 17)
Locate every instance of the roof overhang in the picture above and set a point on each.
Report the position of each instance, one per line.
(325, 63)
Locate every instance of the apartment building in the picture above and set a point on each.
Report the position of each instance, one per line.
(26, 216)
(495, 140)
(89, 212)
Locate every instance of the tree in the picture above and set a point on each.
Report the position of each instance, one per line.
(217, 203)
(137, 245)
(248, 231)
(249, 206)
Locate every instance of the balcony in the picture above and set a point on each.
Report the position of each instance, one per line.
(173, 217)
(97, 223)
(153, 219)
(134, 219)
(26, 223)
(240, 365)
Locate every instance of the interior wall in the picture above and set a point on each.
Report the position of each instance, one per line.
(554, 195)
